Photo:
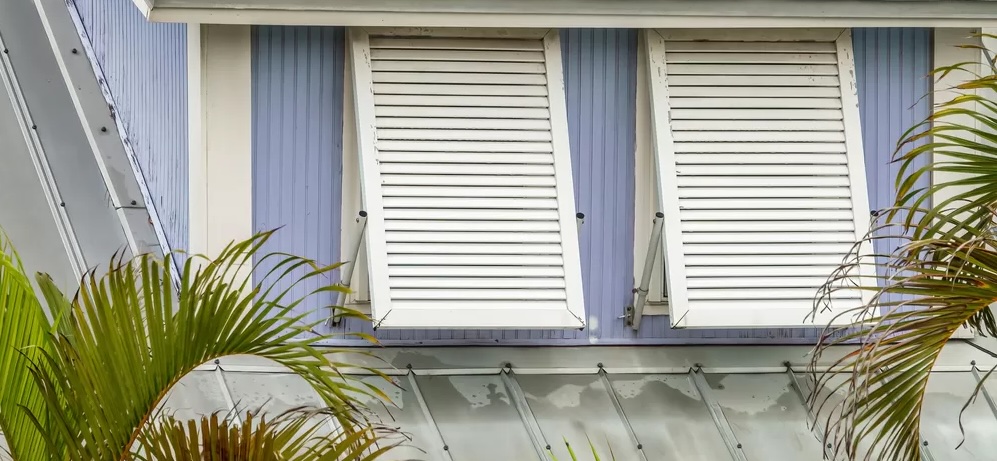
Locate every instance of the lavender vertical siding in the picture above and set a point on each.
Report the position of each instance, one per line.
(894, 95)
(297, 129)
(144, 65)
(298, 145)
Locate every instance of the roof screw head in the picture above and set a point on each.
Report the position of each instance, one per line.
(62, 204)
(75, 51)
(925, 443)
(599, 364)
(828, 444)
(446, 448)
(218, 362)
(640, 446)
(973, 363)
(103, 129)
(547, 447)
(134, 202)
(5, 51)
(34, 127)
(739, 446)
(408, 366)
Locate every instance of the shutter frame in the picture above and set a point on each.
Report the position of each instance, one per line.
(759, 309)
(487, 308)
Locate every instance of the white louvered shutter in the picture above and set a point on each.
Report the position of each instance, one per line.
(760, 171)
(467, 181)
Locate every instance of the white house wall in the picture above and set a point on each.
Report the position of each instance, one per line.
(290, 136)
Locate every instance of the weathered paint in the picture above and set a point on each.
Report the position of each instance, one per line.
(600, 81)
(297, 145)
(144, 65)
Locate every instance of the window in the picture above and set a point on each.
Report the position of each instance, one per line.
(759, 169)
(465, 175)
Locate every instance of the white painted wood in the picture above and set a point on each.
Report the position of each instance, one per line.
(645, 182)
(460, 112)
(464, 123)
(352, 197)
(363, 100)
(473, 179)
(538, 89)
(221, 138)
(433, 43)
(459, 78)
(480, 17)
(516, 36)
(760, 188)
(667, 184)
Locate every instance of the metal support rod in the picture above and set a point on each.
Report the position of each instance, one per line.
(983, 390)
(414, 386)
(579, 220)
(812, 421)
(346, 271)
(604, 377)
(726, 432)
(526, 414)
(645, 277)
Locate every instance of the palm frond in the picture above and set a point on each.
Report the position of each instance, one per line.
(928, 289)
(302, 434)
(23, 335)
(133, 338)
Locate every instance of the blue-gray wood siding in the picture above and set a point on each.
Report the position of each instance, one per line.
(297, 113)
(145, 69)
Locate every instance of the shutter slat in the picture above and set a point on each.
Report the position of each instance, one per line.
(753, 157)
(479, 294)
(463, 135)
(766, 215)
(836, 126)
(778, 92)
(464, 146)
(755, 103)
(804, 295)
(813, 283)
(759, 136)
(734, 202)
(739, 238)
(757, 114)
(464, 180)
(458, 66)
(476, 282)
(430, 43)
(519, 272)
(459, 78)
(462, 112)
(753, 69)
(752, 170)
(457, 248)
(428, 225)
(753, 57)
(465, 157)
(473, 260)
(466, 90)
(471, 214)
(469, 163)
(761, 180)
(474, 237)
(761, 260)
(460, 101)
(706, 226)
(497, 192)
(767, 47)
(483, 203)
(456, 124)
(723, 145)
(728, 273)
(734, 248)
(755, 80)
(765, 192)
(457, 55)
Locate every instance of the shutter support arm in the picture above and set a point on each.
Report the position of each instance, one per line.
(347, 269)
(635, 314)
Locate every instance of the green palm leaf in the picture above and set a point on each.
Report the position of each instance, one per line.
(23, 335)
(129, 337)
(943, 278)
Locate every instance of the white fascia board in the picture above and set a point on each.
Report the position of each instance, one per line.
(575, 13)
(144, 6)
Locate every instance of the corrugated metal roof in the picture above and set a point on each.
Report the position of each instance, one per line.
(486, 413)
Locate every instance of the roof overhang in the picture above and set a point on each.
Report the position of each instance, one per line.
(579, 13)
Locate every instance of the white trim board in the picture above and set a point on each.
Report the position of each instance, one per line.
(574, 13)
(220, 118)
